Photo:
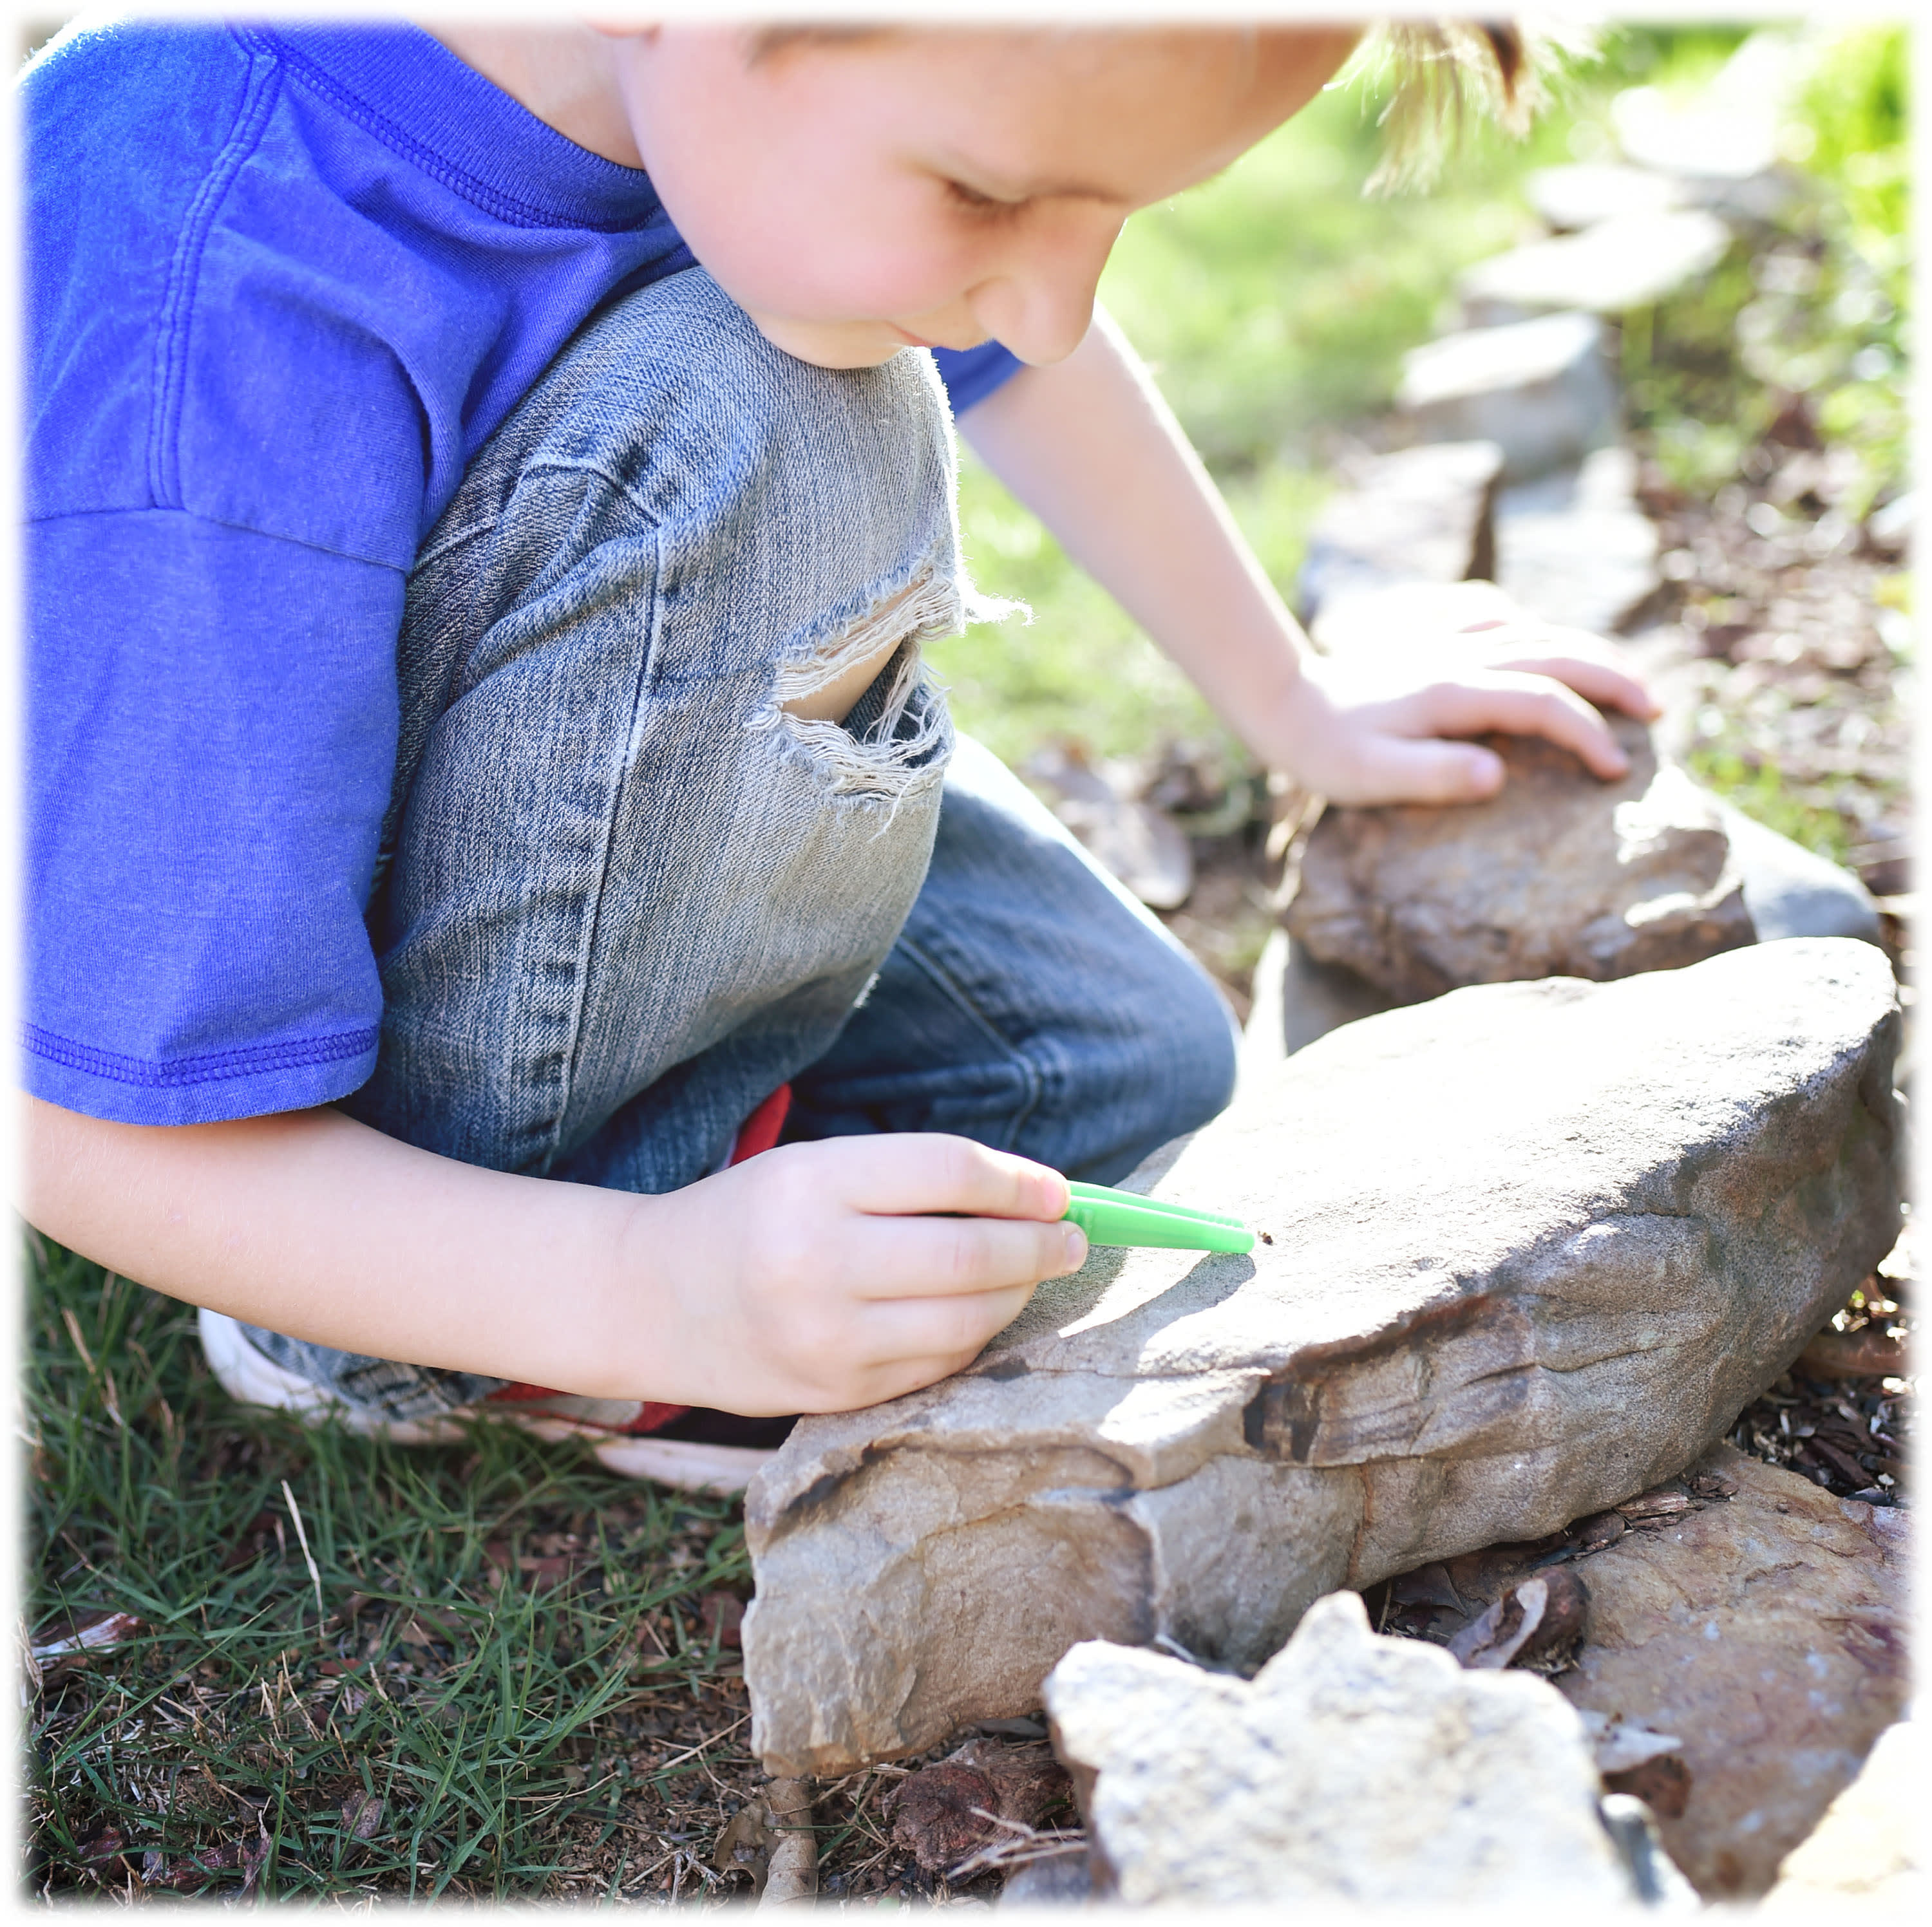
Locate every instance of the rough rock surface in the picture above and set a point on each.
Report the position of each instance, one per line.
(1351, 1769)
(1559, 875)
(1745, 1643)
(1535, 1245)
(1768, 1631)
(1541, 390)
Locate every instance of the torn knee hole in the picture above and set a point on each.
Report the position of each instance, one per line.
(826, 684)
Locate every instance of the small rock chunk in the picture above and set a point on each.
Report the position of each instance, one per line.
(1352, 1769)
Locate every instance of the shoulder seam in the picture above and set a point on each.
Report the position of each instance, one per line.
(500, 206)
(171, 335)
(214, 522)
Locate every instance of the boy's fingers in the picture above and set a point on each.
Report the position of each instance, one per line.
(923, 1172)
(1523, 706)
(1601, 682)
(943, 1333)
(914, 1258)
(1402, 771)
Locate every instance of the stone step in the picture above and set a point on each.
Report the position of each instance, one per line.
(1424, 514)
(1630, 261)
(1542, 390)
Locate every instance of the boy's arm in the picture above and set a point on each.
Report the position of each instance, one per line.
(1092, 448)
(792, 1282)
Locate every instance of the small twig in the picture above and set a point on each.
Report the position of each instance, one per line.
(308, 1558)
(677, 1759)
(79, 1343)
(1032, 1844)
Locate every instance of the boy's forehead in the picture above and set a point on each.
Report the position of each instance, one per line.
(1098, 112)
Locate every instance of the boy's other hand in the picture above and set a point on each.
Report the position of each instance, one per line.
(1380, 725)
(819, 1277)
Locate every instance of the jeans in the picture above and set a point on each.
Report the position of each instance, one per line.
(624, 895)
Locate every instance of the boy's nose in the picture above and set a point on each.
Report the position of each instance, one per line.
(1043, 307)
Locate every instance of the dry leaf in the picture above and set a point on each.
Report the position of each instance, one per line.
(1620, 1745)
(91, 1635)
(724, 1616)
(746, 1845)
(792, 1871)
(189, 1873)
(362, 1815)
(1666, 1502)
(1540, 1620)
(1598, 1530)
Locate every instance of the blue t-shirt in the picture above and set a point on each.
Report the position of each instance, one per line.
(281, 284)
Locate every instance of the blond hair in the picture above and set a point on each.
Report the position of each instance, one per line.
(1437, 71)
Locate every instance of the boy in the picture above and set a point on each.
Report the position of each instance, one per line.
(487, 489)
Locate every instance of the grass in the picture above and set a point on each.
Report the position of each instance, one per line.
(510, 1653)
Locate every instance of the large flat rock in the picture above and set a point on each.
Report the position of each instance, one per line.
(1632, 261)
(1533, 1246)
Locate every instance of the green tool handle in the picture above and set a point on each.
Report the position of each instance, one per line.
(1100, 1194)
(1122, 1220)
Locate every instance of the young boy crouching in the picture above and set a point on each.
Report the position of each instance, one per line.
(488, 491)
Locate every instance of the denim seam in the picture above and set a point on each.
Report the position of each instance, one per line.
(258, 95)
(614, 804)
(470, 532)
(1035, 1079)
(214, 1067)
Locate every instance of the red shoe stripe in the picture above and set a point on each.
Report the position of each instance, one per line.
(518, 1393)
(760, 1130)
(651, 1416)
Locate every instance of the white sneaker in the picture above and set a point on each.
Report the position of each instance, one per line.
(635, 1440)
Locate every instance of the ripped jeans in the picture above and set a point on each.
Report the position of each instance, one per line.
(625, 894)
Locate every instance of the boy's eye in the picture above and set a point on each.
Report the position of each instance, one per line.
(985, 205)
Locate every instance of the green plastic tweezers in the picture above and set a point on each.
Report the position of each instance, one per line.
(1120, 1218)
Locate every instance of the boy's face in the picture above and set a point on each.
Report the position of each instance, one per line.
(937, 187)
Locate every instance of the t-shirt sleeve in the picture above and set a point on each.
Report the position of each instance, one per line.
(211, 721)
(971, 374)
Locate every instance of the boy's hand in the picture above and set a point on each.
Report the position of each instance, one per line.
(1370, 727)
(821, 1277)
